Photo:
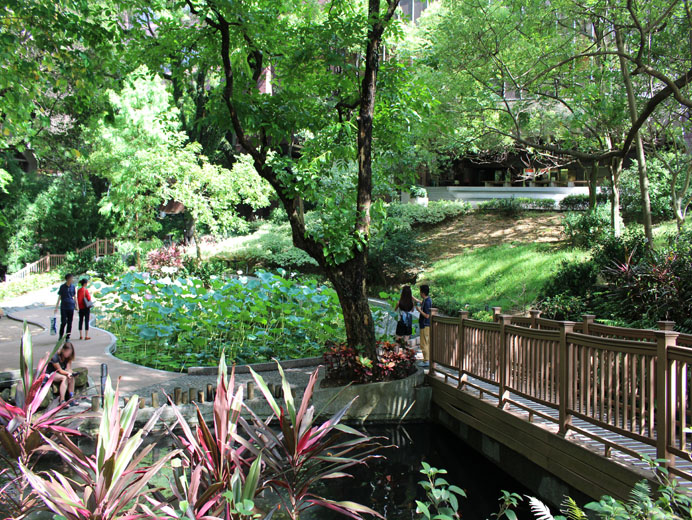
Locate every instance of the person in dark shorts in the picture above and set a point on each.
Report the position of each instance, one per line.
(66, 303)
(61, 365)
(83, 297)
(405, 305)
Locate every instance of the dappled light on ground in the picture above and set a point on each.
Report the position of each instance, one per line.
(490, 229)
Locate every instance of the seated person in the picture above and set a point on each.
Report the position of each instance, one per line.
(61, 365)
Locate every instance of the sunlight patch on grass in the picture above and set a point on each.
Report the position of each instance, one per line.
(506, 275)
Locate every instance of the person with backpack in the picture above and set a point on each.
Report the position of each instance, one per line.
(405, 305)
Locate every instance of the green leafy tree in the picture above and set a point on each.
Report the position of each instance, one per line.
(53, 52)
(148, 162)
(571, 79)
(318, 135)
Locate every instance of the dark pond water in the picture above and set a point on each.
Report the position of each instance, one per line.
(390, 485)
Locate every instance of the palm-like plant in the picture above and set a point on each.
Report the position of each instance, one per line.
(304, 452)
(111, 482)
(23, 425)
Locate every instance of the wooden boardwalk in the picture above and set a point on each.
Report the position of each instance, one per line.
(600, 441)
(620, 395)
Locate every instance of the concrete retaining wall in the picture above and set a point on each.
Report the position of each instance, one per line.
(476, 194)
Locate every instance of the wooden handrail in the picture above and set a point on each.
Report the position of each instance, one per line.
(101, 247)
(633, 382)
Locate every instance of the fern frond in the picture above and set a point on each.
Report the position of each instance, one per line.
(539, 509)
(572, 510)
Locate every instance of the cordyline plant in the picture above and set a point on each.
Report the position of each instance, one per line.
(223, 475)
(303, 453)
(109, 484)
(23, 426)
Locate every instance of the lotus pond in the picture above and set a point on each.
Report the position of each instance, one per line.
(184, 322)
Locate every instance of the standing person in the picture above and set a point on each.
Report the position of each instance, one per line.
(83, 297)
(425, 310)
(405, 305)
(61, 365)
(66, 302)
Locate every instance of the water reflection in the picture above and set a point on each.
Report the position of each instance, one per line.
(390, 485)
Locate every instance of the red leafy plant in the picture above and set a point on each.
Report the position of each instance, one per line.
(217, 476)
(304, 452)
(165, 260)
(109, 484)
(347, 364)
(224, 469)
(25, 423)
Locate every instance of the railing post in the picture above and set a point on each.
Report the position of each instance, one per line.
(564, 377)
(504, 320)
(588, 321)
(461, 353)
(666, 325)
(497, 312)
(535, 314)
(664, 428)
(47, 262)
(431, 346)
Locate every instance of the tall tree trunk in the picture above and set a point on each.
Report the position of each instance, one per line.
(593, 188)
(350, 286)
(615, 168)
(641, 156)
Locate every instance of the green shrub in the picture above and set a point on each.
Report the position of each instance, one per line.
(204, 270)
(612, 250)
(659, 190)
(394, 257)
(108, 268)
(587, 229)
(574, 278)
(540, 204)
(418, 191)
(563, 307)
(581, 202)
(278, 216)
(78, 263)
(514, 205)
(128, 249)
(30, 283)
(414, 215)
(507, 207)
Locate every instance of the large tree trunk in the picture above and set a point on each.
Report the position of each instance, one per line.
(349, 283)
(593, 188)
(641, 156)
(615, 220)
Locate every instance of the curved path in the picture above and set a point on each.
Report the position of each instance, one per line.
(90, 354)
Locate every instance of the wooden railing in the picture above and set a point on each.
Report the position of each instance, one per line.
(101, 247)
(632, 382)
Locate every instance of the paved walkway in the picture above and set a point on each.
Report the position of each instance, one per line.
(89, 354)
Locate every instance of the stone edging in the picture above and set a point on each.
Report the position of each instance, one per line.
(258, 367)
(12, 317)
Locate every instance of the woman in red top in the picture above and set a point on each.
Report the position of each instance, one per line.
(83, 296)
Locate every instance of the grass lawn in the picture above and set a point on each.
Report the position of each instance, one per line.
(509, 275)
